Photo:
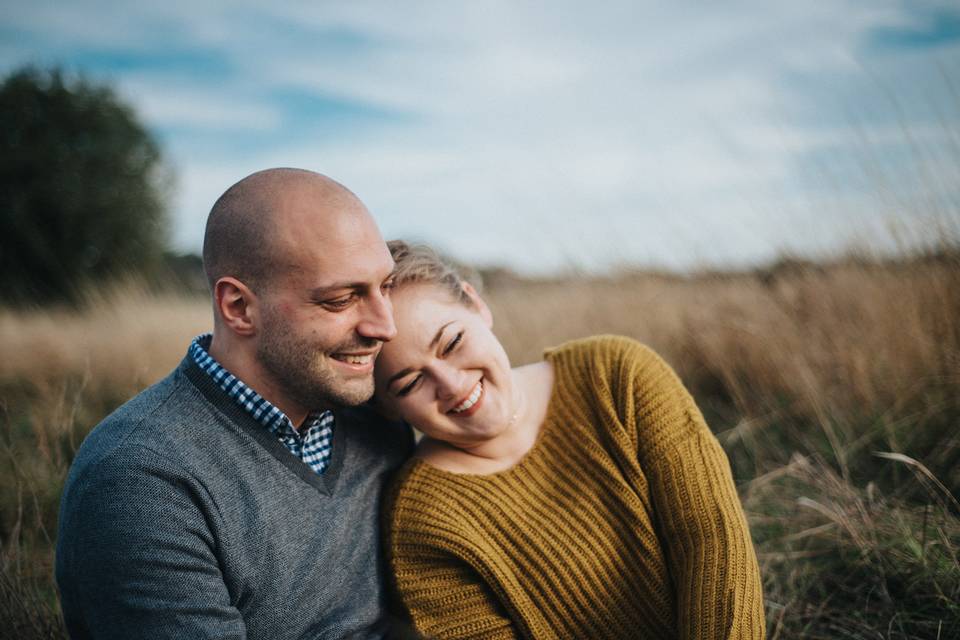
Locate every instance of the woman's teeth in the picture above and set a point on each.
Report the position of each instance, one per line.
(351, 359)
(472, 400)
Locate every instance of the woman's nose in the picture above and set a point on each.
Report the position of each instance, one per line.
(449, 382)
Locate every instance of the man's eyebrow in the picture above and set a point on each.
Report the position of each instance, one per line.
(319, 292)
(409, 370)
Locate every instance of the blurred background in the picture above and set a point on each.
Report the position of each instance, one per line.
(541, 136)
(768, 194)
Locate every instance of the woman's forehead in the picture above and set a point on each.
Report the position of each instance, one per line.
(422, 309)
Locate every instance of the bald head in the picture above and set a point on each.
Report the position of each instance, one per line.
(253, 227)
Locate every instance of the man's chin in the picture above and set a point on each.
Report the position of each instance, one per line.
(351, 393)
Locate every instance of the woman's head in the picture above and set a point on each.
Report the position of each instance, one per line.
(420, 264)
(445, 372)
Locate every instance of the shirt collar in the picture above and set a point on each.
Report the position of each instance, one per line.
(259, 408)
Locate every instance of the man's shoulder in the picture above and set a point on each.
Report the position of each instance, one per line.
(141, 424)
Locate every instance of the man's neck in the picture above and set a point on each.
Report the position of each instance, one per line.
(241, 362)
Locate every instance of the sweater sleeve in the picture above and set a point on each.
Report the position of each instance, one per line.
(711, 557)
(137, 557)
(433, 584)
(445, 598)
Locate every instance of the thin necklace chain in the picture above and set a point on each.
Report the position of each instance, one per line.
(520, 404)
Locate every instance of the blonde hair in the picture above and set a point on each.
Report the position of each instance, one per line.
(421, 264)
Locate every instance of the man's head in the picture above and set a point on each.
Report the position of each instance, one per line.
(300, 276)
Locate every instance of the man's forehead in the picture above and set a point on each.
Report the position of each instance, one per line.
(329, 241)
(329, 267)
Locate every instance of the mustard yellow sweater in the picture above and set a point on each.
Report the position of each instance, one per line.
(621, 522)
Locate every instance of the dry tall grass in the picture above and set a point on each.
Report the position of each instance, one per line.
(834, 388)
(61, 372)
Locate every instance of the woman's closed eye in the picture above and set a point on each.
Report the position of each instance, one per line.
(453, 344)
(410, 386)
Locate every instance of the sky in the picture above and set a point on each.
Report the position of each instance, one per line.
(545, 136)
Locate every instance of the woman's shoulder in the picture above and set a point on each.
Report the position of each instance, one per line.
(620, 373)
(413, 499)
(428, 506)
(602, 353)
(429, 478)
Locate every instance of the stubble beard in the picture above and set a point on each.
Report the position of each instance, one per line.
(303, 372)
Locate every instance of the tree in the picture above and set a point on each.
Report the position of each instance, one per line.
(82, 187)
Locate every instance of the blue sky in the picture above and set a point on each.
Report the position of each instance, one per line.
(547, 135)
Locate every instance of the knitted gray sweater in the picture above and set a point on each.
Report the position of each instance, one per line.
(183, 518)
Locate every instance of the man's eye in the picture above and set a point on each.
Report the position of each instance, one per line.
(453, 343)
(338, 303)
(410, 386)
(388, 285)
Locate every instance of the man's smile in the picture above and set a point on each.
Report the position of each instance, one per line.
(359, 361)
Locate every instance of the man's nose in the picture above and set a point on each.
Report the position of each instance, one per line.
(377, 319)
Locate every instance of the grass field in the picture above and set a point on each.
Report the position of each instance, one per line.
(835, 389)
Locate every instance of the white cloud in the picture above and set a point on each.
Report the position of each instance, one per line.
(162, 106)
(668, 133)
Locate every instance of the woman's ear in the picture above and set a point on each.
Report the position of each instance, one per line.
(478, 302)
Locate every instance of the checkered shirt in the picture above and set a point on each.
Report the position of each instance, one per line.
(312, 444)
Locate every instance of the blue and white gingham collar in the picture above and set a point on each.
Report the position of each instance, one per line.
(312, 443)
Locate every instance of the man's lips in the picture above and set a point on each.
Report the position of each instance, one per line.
(356, 358)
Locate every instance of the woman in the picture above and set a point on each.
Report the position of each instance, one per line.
(582, 496)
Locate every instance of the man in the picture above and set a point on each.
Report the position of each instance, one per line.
(238, 497)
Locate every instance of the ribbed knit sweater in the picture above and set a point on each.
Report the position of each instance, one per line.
(622, 521)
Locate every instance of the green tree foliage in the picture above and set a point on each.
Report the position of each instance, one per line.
(81, 188)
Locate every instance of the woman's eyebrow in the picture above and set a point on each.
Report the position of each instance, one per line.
(436, 338)
(399, 375)
(408, 370)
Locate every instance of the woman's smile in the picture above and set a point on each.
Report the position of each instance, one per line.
(471, 404)
(445, 372)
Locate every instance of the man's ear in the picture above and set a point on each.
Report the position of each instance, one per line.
(236, 305)
(478, 302)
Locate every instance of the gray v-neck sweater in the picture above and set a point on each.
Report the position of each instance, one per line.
(182, 517)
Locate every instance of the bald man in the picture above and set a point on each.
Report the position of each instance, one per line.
(237, 498)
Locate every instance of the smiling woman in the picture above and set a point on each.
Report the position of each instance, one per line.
(448, 374)
(581, 496)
